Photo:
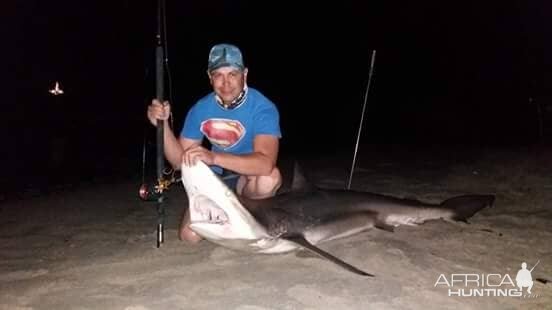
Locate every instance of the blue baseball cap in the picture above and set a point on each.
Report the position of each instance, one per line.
(223, 55)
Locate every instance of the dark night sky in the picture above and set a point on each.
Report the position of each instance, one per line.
(445, 72)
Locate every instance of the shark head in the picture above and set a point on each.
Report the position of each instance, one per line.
(216, 213)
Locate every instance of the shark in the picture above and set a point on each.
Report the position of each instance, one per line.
(306, 215)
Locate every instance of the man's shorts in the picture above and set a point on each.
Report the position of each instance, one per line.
(230, 178)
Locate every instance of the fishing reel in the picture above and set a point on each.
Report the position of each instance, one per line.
(152, 192)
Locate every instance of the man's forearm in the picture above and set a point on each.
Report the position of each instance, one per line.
(249, 164)
(173, 149)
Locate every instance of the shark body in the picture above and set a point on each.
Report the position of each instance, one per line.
(306, 216)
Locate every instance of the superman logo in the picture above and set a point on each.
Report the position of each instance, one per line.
(223, 133)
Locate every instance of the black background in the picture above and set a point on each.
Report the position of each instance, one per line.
(446, 73)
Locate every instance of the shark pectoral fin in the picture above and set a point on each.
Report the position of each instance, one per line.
(300, 240)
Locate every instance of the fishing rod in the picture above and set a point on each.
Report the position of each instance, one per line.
(166, 176)
(156, 192)
(160, 95)
(534, 266)
(362, 117)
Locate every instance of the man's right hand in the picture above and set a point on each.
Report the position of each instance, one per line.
(158, 110)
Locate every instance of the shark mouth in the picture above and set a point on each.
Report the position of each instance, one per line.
(206, 211)
(209, 220)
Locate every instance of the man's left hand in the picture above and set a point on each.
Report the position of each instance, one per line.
(193, 154)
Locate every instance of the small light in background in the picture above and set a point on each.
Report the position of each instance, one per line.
(56, 91)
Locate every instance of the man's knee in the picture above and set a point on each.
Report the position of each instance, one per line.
(259, 187)
(184, 231)
(186, 234)
(271, 183)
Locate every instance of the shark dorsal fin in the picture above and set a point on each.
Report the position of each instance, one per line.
(300, 182)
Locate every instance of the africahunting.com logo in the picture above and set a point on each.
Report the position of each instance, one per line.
(492, 284)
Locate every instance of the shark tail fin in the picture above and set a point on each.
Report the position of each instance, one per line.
(466, 206)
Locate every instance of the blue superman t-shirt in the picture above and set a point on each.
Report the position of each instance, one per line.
(232, 131)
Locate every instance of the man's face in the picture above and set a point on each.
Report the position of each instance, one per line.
(228, 82)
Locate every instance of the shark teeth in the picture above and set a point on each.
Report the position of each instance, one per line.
(207, 211)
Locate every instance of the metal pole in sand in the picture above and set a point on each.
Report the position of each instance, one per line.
(362, 118)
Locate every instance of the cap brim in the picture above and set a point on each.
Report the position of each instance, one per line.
(220, 65)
